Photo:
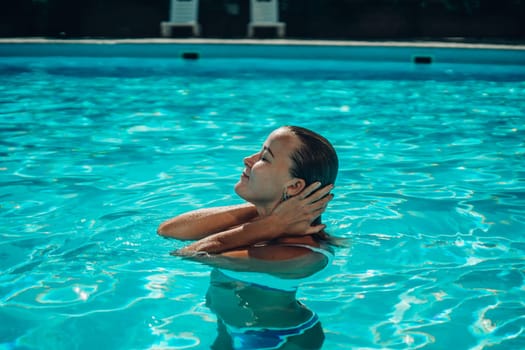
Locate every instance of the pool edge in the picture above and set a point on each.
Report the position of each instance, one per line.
(377, 51)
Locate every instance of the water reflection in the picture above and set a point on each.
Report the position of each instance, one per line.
(260, 310)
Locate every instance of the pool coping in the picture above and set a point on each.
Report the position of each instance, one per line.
(277, 42)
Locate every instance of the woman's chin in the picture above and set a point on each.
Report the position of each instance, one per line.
(238, 188)
(244, 194)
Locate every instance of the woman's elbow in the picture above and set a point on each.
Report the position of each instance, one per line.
(167, 229)
(170, 229)
(162, 230)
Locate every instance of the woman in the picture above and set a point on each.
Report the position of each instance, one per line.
(264, 249)
(286, 185)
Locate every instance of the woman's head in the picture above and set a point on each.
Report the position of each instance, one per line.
(315, 159)
(291, 159)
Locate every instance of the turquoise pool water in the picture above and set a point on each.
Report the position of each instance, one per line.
(96, 152)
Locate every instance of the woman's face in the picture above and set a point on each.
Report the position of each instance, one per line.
(267, 172)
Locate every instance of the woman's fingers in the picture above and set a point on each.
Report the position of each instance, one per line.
(313, 194)
(322, 193)
(308, 190)
(315, 229)
(315, 204)
(317, 211)
(321, 203)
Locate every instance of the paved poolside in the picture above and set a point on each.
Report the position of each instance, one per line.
(284, 42)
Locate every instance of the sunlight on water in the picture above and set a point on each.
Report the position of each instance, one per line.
(95, 153)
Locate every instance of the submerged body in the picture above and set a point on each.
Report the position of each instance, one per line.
(260, 310)
(253, 316)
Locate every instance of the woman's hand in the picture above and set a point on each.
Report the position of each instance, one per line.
(296, 215)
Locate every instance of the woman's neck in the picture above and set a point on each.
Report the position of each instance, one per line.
(265, 209)
(263, 212)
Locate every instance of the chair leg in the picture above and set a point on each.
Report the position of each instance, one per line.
(280, 31)
(196, 30)
(165, 30)
(250, 30)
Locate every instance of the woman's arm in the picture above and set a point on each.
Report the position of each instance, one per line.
(244, 235)
(204, 222)
(290, 218)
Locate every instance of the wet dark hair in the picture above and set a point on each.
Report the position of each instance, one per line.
(315, 160)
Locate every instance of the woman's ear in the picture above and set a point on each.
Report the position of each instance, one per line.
(294, 187)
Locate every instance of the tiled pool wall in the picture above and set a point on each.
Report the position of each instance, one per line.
(490, 54)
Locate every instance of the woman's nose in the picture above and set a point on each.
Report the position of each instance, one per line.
(248, 161)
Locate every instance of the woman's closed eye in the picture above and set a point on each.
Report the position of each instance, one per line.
(264, 157)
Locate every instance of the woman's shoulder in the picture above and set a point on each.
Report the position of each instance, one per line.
(286, 248)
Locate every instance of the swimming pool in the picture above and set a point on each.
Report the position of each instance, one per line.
(97, 151)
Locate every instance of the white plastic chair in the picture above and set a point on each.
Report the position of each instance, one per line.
(183, 13)
(265, 13)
